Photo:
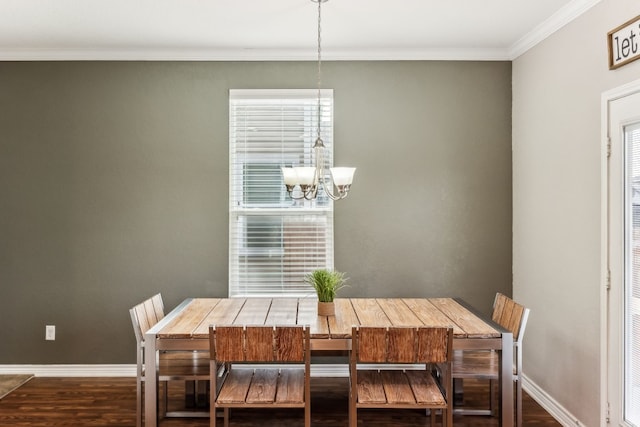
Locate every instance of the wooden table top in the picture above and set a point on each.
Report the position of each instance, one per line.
(193, 321)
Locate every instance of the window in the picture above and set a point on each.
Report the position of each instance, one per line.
(275, 240)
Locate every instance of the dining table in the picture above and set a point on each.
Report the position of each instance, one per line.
(187, 328)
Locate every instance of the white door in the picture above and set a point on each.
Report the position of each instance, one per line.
(622, 299)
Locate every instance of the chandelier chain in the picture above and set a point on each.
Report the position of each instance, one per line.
(319, 62)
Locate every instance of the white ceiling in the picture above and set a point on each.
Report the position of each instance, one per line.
(278, 29)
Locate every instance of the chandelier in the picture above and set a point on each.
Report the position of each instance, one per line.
(310, 178)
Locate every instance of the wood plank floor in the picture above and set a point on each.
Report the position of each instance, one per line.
(55, 402)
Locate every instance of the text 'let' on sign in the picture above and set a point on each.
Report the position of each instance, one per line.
(624, 43)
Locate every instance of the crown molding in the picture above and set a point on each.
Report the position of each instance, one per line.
(432, 54)
(141, 54)
(558, 20)
(129, 370)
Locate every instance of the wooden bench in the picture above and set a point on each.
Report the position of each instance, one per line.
(278, 385)
(398, 388)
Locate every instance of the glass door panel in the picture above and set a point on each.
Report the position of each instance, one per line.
(631, 311)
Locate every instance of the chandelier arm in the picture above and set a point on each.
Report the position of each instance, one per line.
(321, 178)
(306, 193)
(329, 193)
(302, 197)
(311, 193)
(294, 198)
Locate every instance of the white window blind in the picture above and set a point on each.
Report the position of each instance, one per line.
(275, 240)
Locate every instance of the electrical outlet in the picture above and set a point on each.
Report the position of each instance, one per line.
(50, 333)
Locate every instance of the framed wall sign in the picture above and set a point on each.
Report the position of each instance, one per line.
(624, 43)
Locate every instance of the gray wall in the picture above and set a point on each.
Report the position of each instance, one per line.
(113, 186)
(557, 88)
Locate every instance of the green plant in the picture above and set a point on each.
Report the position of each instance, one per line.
(326, 283)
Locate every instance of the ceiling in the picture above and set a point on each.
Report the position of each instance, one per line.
(278, 29)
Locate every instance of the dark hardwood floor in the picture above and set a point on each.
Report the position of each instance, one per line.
(55, 402)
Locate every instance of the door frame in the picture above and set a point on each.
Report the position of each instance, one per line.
(605, 276)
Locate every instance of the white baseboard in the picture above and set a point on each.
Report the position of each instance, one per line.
(71, 370)
(317, 370)
(557, 411)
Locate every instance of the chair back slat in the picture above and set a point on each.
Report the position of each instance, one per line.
(434, 345)
(372, 345)
(287, 344)
(258, 343)
(141, 324)
(515, 321)
(498, 307)
(150, 313)
(227, 344)
(403, 345)
(508, 314)
(158, 307)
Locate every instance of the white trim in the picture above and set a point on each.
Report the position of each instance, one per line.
(555, 409)
(252, 55)
(604, 256)
(290, 94)
(129, 370)
(617, 93)
(427, 54)
(562, 17)
(71, 370)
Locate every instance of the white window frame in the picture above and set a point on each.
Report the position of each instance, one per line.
(276, 270)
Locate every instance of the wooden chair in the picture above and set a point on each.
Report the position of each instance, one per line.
(283, 384)
(186, 366)
(484, 365)
(396, 388)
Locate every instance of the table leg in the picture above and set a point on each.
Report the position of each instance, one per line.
(506, 380)
(150, 382)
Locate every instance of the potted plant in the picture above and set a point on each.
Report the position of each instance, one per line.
(326, 283)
